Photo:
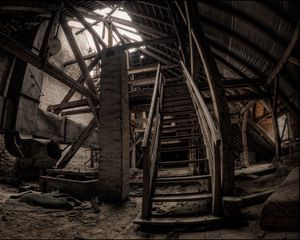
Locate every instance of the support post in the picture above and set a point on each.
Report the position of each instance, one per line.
(245, 159)
(114, 127)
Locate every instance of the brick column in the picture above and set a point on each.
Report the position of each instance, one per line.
(114, 127)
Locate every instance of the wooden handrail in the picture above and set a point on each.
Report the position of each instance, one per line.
(150, 148)
(151, 111)
(213, 128)
(212, 138)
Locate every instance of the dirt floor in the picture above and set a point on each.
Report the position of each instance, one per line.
(115, 221)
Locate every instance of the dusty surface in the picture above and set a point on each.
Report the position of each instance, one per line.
(116, 221)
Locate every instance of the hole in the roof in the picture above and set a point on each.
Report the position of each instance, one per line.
(129, 32)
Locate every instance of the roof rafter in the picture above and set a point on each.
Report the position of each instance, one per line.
(249, 21)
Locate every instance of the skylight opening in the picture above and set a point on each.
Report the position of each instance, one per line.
(127, 31)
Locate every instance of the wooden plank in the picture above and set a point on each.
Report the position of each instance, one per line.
(181, 197)
(179, 162)
(176, 149)
(15, 48)
(68, 105)
(181, 179)
(177, 221)
(76, 111)
(150, 68)
(77, 144)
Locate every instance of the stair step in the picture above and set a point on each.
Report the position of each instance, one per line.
(176, 99)
(181, 197)
(170, 130)
(208, 220)
(171, 95)
(178, 119)
(175, 149)
(187, 111)
(178, 108)
(176, 126)
(179, 128)
(175, 85)
(168, 180)
(180, 137)
(172, 92)
(181, 103)
(166, 163)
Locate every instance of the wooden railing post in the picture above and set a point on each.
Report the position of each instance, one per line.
(146, 183)
(217, 194)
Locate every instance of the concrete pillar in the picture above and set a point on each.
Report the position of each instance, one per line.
(114, 127)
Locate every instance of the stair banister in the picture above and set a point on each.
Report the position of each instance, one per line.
(150, 146)
(212, 138)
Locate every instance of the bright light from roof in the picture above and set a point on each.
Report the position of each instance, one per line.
(132, 34)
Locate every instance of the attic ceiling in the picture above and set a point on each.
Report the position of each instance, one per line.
(247, 38)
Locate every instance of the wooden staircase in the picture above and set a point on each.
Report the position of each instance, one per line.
(176, 165)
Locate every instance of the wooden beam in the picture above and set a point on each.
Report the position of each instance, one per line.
(77, 144)
(230, 66)
(243, 97)
(245, 160)
(234, 83)
(257, 26)
(190, 39)
(82, 20)
(150, 68)
(26, 6)
(213, 44)
(15, 48)
(163, 53)
(68, 105)
(238, 37)
(153, 5)
(146, 42)
(50, 32)
(76, 111)
(147, 17)
(288, 19)
(247, 106)
(218, 96)
(285, 56)
(86, 57)
(84, 70)
(294, 61)
(79, 80)
(99, 21)
(76, 51)
(138, 26)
